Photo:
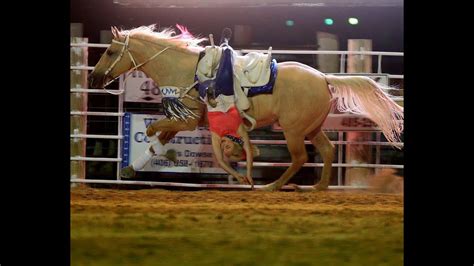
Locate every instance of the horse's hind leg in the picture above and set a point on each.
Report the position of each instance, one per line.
(326, 149)
(295, 144)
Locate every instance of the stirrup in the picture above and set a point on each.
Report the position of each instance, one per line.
(252, 121)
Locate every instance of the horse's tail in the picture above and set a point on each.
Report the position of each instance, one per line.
(362, 95)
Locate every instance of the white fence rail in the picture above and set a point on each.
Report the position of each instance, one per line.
(194, 185)
(120, 114)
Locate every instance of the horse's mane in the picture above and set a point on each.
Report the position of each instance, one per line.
(168, 35)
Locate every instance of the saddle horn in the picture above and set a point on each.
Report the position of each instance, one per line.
(211, 39)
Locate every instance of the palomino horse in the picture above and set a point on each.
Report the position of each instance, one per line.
(301, 100)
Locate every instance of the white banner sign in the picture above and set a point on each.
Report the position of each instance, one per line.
(342, 122)
(193, 148)
(349, 122)
(140, 88)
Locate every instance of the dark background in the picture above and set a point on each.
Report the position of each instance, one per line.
(382, 24)
(436, 228)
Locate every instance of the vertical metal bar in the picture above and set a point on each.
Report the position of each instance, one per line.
(78, 79)
(342, 63)
(377, 151)
(379, 67)
(120, 130)
(339, 158)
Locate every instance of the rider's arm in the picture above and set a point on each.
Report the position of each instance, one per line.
(248, 151)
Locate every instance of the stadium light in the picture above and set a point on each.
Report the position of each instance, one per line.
(290, 23)
(353, 21)
(328, 21)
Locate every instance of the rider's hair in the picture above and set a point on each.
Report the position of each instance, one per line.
(238, 152)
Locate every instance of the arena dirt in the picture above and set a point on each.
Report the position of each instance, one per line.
(161, 227)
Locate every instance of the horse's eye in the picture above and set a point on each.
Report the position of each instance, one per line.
(109, 53)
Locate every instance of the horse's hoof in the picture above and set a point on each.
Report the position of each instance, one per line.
(268, 188)
(171, 155)
(127, 172)
(321, 186)
(296, 187)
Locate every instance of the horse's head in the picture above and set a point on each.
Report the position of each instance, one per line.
(114, 62)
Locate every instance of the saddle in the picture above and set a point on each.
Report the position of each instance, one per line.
(224, 72)
(208, 63)
(253, 69)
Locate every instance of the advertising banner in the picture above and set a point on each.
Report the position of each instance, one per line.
(193, 148)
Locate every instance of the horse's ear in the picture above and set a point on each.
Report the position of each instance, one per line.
(115, 32)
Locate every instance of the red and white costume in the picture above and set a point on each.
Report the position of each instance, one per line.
(225, 123)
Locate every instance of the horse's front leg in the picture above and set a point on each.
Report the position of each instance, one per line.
(167, 129)
(296, 147)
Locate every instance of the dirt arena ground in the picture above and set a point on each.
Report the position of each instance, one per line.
(161, 227)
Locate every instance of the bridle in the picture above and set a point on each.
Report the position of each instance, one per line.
(125, 48)
(183, 92)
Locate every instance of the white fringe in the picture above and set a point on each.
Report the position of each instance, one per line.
(362, 95)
